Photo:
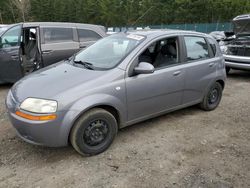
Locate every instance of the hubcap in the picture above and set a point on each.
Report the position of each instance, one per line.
(95, 133)
(213, 97)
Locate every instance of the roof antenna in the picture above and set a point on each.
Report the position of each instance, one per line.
(140, 17)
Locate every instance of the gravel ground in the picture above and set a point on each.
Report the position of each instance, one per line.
(187, 148)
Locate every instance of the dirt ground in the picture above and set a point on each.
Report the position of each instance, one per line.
(187, 148)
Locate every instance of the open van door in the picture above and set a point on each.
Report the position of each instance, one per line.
(10, 66)
(31, 51)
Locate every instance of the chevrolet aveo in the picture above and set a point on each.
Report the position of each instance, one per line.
(118, 81)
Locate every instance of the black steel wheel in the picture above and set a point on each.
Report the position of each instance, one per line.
(212, 98)
(93, 132)
(96, 132)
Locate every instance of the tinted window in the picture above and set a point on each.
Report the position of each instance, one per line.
(11, 37)
(87, 35)
(212, 45)
(161, 53)
(197, 48)
(53, 35)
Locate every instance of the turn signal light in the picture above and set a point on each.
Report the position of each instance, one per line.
(36, 118)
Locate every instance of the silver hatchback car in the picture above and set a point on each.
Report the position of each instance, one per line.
(120, 80)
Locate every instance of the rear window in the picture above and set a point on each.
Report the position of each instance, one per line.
(87, 35)
(55, 35)
(197, 48)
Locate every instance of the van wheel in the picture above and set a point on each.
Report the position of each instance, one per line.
(212, 98)
(93, 132)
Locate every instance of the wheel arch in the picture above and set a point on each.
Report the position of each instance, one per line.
(111, 109)
(221, 82)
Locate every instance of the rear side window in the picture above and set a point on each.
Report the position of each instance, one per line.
(197, 48)
(55, 35)
(87, 35)
(212, 46)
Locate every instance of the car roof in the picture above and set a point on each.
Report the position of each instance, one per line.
(242, 17)
(157, 32)
(99, 28)
(30, 24)
(3, 25)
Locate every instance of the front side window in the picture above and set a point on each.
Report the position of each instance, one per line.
(110, 51)
(55, 35)
(11, 38)
(162, 53)
(87, 35)
(197, 48)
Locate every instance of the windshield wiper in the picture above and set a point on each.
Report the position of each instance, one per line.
(85, 64)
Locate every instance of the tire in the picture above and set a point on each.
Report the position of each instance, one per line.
(228, 70)
(93, 132)
(212, 98)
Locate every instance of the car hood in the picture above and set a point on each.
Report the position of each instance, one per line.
(51, 81)
(241, 26)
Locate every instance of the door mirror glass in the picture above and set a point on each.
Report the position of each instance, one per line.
(144, 68)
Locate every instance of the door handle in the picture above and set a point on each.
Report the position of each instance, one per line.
(177, 73)
(47, 52)
(83, 47)
(211, 64)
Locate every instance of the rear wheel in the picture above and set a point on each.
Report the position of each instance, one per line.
(212, 98)
(94, 132)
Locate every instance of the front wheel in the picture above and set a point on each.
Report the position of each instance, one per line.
(212, 98)
(93, 132)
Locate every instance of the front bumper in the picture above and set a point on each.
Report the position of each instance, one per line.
(47, 133)
(237, 62)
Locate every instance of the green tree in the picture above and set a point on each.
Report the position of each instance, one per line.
(126, 12)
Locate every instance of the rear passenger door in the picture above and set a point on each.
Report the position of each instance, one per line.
(58, 43)
(200, 68)
(87, 37)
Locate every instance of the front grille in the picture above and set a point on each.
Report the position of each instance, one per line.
(240, 51)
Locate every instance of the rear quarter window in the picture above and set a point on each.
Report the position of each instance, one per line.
(56, 35)
(212, 44)
(86, 35)
(196, 47)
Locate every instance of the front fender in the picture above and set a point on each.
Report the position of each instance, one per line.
(92, 101)
(87, 103)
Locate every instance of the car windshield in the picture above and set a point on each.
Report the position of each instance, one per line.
(107, 53)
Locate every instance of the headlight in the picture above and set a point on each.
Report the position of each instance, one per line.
(39, 105)
(224, 49)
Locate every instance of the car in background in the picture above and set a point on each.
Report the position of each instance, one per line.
(236, 45)
(120, 80)
(27, 47)
(3, 28)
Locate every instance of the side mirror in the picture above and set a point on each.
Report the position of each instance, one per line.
(144, 68)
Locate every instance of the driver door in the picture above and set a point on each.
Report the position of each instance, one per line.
(160, 91)
(10, 68)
